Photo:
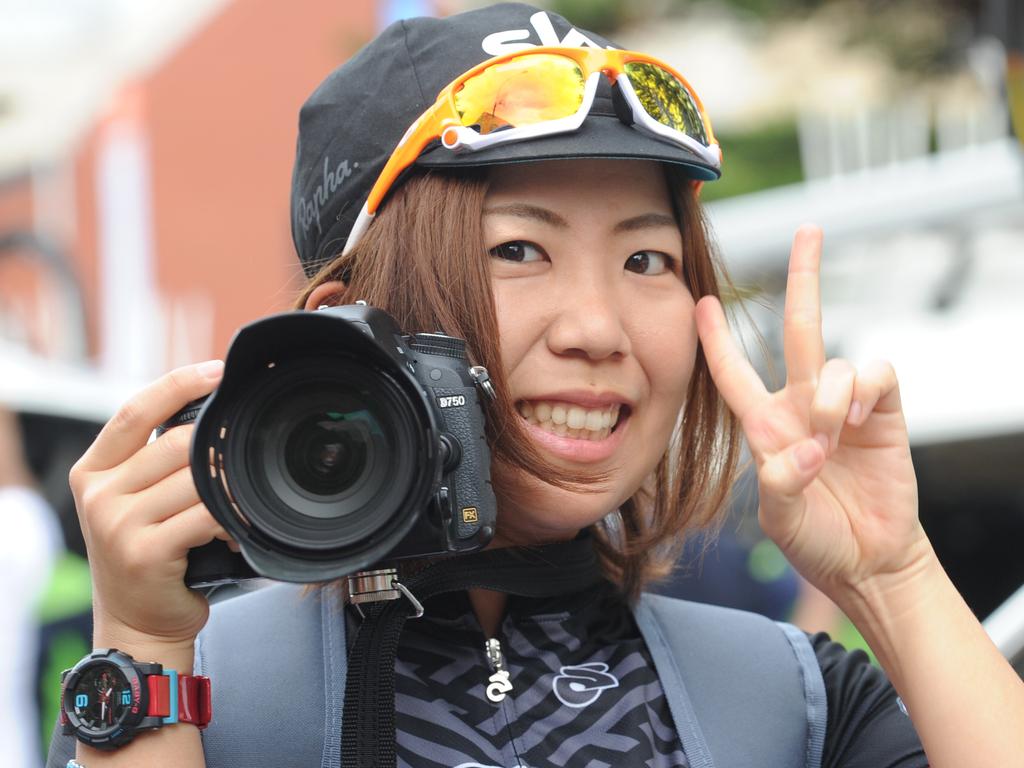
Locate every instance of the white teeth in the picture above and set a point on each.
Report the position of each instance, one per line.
(577, 418)
(543, 411)
(571, 420)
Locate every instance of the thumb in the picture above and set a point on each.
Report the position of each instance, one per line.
(782, 479)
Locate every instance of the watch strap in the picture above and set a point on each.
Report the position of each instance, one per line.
(179, 698)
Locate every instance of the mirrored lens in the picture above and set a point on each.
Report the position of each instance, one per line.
(525, 91)
(666, 99)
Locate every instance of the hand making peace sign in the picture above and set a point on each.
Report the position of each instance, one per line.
(837, 488)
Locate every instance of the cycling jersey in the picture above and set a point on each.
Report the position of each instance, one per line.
(583, 692)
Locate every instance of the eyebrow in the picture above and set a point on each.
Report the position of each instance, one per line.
(632, 224)
(527, 211)
(645, 221)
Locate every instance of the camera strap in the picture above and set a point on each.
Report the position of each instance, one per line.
(368, 724)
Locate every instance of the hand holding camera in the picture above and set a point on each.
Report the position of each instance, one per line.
(333, 442)
(140, 515)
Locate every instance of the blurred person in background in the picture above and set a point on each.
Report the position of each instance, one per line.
(30, 544)
(563, 267)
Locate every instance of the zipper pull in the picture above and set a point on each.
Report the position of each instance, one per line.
(499, 684)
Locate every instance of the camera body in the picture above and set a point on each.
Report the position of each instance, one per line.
(334, 442)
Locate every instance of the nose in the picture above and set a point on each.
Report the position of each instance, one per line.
(591, 321)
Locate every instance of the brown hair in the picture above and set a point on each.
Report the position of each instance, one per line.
(422, 262)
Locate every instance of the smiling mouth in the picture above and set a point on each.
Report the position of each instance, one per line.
(569, 420)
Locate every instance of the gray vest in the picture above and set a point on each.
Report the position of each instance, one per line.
(743, 690)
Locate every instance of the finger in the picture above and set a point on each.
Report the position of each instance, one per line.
(190, 528)
(770, 430)
(155, 460)
(129, 429)
(167, 498)
(831, 404)
(732, 373)
(803, 345)
(781, 478)
(149, 486)
(875, 389)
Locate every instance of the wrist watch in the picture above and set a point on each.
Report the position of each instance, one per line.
(108, 697)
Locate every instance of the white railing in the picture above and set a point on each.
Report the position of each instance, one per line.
(755, 231)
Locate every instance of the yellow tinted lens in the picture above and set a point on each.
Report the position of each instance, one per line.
(527, 90)
(666, 99)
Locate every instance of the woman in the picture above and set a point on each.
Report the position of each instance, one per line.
(553, 223)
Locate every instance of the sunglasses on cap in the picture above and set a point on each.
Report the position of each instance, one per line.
(544, 91)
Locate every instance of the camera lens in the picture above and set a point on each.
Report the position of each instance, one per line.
(323, 454)
(327, 452)
(319, 449)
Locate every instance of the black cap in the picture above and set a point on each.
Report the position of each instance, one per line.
(353, 121)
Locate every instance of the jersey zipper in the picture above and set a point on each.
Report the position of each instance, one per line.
(498, 684)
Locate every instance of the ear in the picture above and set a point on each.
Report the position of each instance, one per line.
(330, 292)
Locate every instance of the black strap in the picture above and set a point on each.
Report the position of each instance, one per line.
(368, 724)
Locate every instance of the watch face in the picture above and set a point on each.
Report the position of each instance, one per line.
(103, 700)
(102, 697)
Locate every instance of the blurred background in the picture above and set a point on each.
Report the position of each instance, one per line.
(145, 160)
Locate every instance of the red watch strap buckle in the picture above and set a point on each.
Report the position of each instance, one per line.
(194, 703)
(193, 698)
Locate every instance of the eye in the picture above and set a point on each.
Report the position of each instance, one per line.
(649, 263)
(517, 250)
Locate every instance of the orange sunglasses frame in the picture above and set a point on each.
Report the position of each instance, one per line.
(442, 114)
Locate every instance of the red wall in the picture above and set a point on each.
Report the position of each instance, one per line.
(221, 117)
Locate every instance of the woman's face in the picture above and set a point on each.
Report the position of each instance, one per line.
(597, 330)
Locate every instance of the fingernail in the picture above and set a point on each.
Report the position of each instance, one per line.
(822, 439)
(807, 457)
(853, 417)
(211, 369)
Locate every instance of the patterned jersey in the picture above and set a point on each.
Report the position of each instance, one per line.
(568, 683)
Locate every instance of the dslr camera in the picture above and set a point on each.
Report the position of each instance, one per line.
(336, 441)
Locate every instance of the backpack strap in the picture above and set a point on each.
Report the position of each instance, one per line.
(271, 706)
(759, 696)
